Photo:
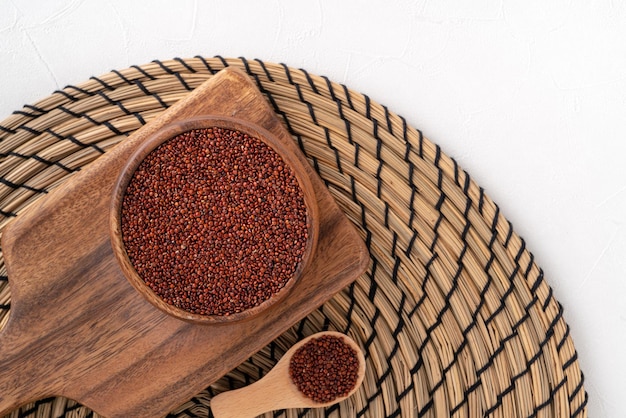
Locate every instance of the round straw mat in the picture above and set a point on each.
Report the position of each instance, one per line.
(454, 316)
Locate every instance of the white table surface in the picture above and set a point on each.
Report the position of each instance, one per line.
(529, 97)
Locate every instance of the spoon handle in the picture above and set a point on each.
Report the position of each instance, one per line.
(274, 391)
(243, 403)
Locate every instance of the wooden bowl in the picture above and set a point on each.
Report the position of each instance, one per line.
(170, 131)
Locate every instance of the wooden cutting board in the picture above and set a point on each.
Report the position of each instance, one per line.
(77, 327)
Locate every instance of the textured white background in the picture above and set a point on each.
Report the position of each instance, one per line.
(528, 96)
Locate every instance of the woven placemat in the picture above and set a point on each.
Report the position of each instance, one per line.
(454, 316)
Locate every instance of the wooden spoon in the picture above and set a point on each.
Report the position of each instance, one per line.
(276, 390)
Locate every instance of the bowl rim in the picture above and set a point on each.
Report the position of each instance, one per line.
(298, 167)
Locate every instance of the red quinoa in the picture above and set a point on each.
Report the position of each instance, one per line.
(324, 369)
(214, 221)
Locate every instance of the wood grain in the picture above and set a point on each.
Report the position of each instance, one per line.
(78, 328)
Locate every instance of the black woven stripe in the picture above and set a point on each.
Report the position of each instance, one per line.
(7, 214)
(396, 413)
(495, 220)
(79, 89)
(408, 145)
(440, 181)
(27, 114)
(582, 406)
(509, 234)
(7, 130)
(334, 149)
(222, 60)
(300, 329)
(115, 103)
(346, 122)
(436, 230)
(406, 392)
(308, 104)
(122, 77)
(176, 74)
(357, 148)
(51, 163)
(33, 409)
(414, 192)
(246, 67)
(348, 95)
(368, 108)
(372, 337)
(29, 130)
(379, 146)
(350, 311)
(284, 115)
(288, 73)
(481, 200)
(67, 95)
(273, 348)
(143, 72)
(353, 190)
(381, 380)
(326, 324)
(394, 244)
(147, 92)
(388, 120)
(371, 295)
(369, 400)
(4, 278)
(184, 64)
(330, 409)
(119, 104)
(399, 328)
(550, 399)
(22, 186)
(5, 306)
(72, 139)
(409, 248)
(466, 395)
(537, 282)
(265, 70)
(102, 83)
(466, 182)
(577, 389)
(331, 91)
(37, 109)
(570, 361)
(561, 343)
(546, 303)
(310, 81)
(456, 172)
(426, 408)
(520, 252)
(531, 263)
(206, 64)
(73, 407)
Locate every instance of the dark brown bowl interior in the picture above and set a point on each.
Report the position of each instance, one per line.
(170, 131)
